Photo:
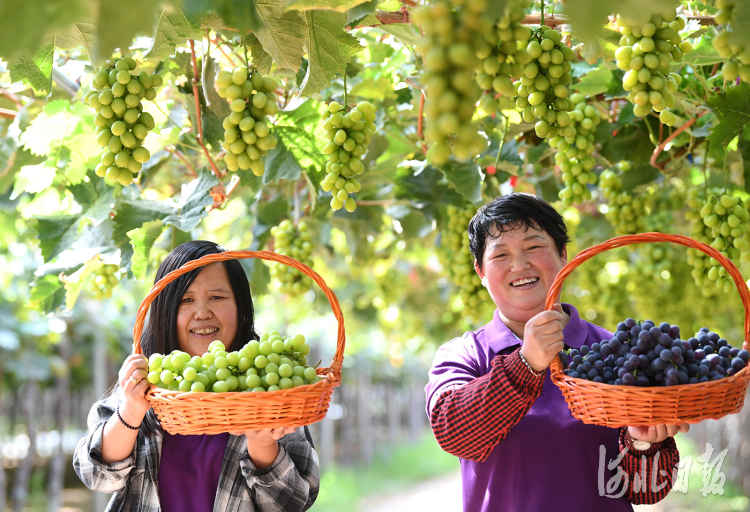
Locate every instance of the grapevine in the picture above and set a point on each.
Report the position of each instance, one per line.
(542, 92)
(247, 129)
(501, 56)
(295, 242)
(625, 212)
(646, 53)
(121, 123)
(104, 281)
(575, 153)
(644, 354)
(459, 260)
(739, 66)
(448, 46)
(274, 363)
(350, 134)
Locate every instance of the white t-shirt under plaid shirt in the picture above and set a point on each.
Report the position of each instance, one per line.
(290, 484)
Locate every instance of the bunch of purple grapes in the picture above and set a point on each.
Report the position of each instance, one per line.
(644, 354)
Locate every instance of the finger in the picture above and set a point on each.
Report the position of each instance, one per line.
(141, 388)
(684, 427)
(546, 317)
(661, 433)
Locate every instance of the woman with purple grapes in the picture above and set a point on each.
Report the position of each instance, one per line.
(492, 403)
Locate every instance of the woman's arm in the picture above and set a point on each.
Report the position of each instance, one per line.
(658, 465)
(291, 482)
(469, 420)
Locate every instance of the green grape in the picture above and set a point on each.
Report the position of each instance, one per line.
(501, 56)
(575, 153)
(452, 40)
(104, 280)
(350, 134)
(122, 129)
(542, 91)
(247, 132)
(729, 45)
(459, 261)
(625, 211)
(647, 50)
(295, 242)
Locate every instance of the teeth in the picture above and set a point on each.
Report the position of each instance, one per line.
(524, 281)
(205, 331)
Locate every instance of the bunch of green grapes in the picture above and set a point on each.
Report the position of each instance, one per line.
(624, 210)
(542, 93)
(658, 257)
(459, 260)
(121, 123)
(247, 130)
(501, 56)
(274, 363)
(723, 224)
(739, 66)
(448, 46)
(295, 242)
(104, 281)
(646, 53)
(575, 154)
(350, 133)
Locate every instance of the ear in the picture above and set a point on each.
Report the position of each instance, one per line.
(564, 255)
(478, 270)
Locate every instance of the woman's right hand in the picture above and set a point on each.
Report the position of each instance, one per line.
(543, 338)
(134, 386)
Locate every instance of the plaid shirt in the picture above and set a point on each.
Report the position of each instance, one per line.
(290, 484)
(470, 419)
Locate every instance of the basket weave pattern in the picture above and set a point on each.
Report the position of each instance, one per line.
(616, 406)
(191, 413)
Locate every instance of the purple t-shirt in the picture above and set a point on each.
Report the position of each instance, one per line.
(189, 471)
(549, 460)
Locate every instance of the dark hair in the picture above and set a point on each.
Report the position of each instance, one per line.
(160, 333)
(511, 212)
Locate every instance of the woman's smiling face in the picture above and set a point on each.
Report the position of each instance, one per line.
(207, 311)
(518, 268)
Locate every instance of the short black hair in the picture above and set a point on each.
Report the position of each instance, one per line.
(160, 332)
(511, 212)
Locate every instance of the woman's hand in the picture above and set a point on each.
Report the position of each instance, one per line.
(658, 433)
(134, 385)
(543, 338)
(263, 446)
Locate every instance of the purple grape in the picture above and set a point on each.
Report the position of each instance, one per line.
(702, 339)
(597, 379)
(703, 329)
(622, 327)
(592, 373)
(699, 354)
(713, 337)
(672, 373)
(586, 366)
(731, 372)
(722, 342)
(665, 340)
(708, 349)
(655, 332)
(622, 336)
(585, 350)
(676, 351)
(628, 379)
(618, 382)
(643, 381)
(599, 366)
(674, 331)
(575, 375)
(629, 323)
(703, 370)
(665, 355)
(733, 352)
(647, 324)
(596, 347)
(693, 342)
(678, 359)
(738, 364)
(664, 327)
(615, 344)
(693, 380)
(635, 331)
(725, 351)
(744, 355)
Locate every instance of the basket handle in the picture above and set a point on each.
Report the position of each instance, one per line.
(239, 255)
(652, 237)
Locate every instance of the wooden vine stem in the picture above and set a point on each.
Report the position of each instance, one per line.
(615, 406)
(669, 139)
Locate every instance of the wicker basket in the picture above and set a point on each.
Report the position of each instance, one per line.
(616, 406)
(215, 413)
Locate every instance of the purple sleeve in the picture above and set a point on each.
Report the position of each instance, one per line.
(453, 366)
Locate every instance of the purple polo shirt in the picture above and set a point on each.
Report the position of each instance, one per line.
(189, 471)
(549, 460)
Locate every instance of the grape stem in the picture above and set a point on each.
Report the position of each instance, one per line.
(346, 107)
(660, 147)
(178, 154)
(541, 13)
(8, 114)
(206, 56)
(220, 195)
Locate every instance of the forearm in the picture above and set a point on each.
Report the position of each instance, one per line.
(651, 472)
(118, 441)
(470, 420)
(262, 455)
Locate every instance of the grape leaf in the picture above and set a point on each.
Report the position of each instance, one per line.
(329, 49)
(638, 176)
(374, 88)
(282, 34)
(118, 22)
(56, 233)
(702, 55)
(426, 189)
(403, 32)
(466, 178)
(26, 23)
(34, 70)
(142, 239)
(195, 199)
(260, 57)
(74, 282)
(356, 14)
(732, 110)
(268, 214)
(79, 34)
(132, 215)
(213, 21)
(47, 294)
(334, 5)
(50, 127)
(743, 146)
(594, 82)
(33, 179)
(173, 29)
(281, 165)
(242, 15)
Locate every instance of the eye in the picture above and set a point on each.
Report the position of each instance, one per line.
(533, 247)
(186, 300)
(216, 297)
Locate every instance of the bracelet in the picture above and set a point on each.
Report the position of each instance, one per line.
(642, 446)
(534, 373)
(123, 421)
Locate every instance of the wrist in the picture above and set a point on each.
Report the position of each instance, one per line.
(532, 365)
(130, 416)
(636, 444)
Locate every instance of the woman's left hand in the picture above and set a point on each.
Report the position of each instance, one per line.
(658, 433)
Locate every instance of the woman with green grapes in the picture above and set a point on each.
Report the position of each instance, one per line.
(127, 453)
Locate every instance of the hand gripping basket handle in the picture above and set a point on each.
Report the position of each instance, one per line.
(653, 237)
(239, 255)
